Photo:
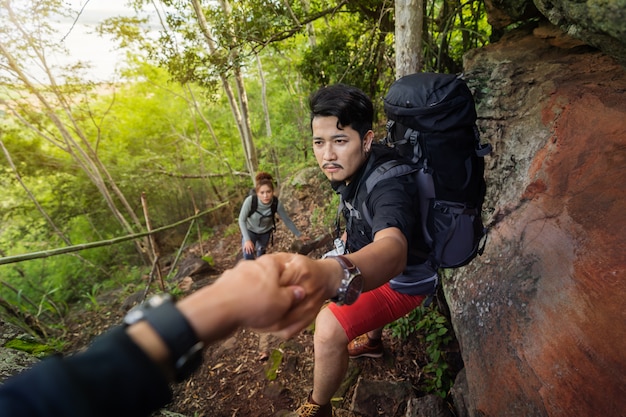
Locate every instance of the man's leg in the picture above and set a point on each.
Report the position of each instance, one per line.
(335, 326)
(331, 357)
(375, 334)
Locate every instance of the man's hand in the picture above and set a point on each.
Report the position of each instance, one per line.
(280, 293)
(263, 299)
(320, 280)
(248, 295)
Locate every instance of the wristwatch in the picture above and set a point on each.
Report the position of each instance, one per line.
(173, 328)
(352, 283)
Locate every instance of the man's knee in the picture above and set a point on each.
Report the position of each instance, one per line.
(328, 330)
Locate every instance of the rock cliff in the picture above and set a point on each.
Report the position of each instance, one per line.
(599, 23)
(540, 316)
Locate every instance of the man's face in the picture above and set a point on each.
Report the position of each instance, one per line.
(339, 152)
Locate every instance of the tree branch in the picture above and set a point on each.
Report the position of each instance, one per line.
(76, 248)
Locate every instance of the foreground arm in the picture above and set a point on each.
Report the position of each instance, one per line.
(122, 372)
(247, 296)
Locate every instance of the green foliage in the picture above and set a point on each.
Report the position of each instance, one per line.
(209, 259)
(352, 51)
(231, 230)
(44, 288)
(273, 364)
(92, 296)
(438, 338)
(433, 329)
(451, 29)
(405, 326)
(32, 346)
(325, 218)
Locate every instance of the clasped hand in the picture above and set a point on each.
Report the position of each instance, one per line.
(279, 293)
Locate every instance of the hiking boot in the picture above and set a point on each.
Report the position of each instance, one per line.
(364, 346)
(310, 409)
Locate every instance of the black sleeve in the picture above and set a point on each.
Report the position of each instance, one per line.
(113, 377)
(392, 204)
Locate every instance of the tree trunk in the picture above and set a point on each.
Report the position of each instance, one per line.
(268, 124)
(240, 114)
(409, 16)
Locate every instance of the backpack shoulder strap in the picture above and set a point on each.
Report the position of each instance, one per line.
(274, 208)
(386, 170)
(253, 204)
(389, 169)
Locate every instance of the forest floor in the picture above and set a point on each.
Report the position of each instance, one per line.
(251, 374)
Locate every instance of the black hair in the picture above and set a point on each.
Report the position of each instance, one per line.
(349, 104)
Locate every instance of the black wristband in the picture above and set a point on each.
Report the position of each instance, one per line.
(175, 331)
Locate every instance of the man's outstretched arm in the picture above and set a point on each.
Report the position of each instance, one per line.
(126, 371)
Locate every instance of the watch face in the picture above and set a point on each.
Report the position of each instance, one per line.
(133, 316)
(354, 290)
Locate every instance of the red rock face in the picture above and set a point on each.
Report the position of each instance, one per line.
(541, 316)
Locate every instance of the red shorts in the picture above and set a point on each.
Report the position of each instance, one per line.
(374, 309)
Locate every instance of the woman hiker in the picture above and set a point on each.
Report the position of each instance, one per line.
(256, 218)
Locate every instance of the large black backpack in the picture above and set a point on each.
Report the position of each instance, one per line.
(432, 121)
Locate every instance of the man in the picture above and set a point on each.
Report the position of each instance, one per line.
(341, 123)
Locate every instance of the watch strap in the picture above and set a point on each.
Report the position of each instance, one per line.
(347, 287)
(346, 263)
(175, 331)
